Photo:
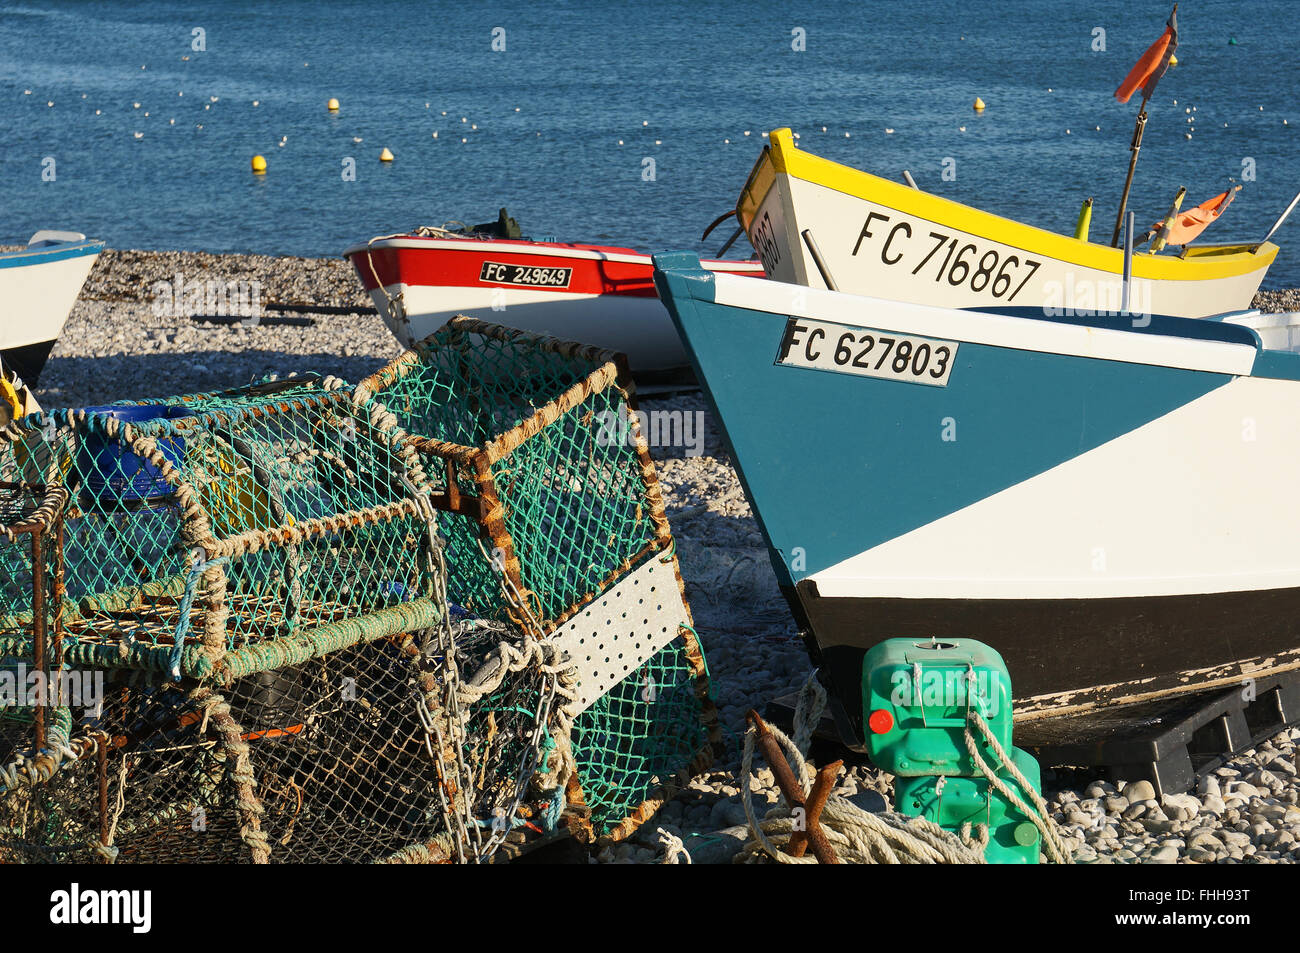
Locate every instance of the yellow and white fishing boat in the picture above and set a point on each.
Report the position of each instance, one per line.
(887, 240)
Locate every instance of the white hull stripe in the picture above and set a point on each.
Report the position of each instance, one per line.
(996, 330)
(1192, 502)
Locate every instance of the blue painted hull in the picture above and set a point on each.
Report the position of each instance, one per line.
(851, 477)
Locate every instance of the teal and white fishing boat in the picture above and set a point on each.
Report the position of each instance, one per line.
(1108, 501)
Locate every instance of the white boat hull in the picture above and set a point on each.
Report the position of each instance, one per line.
(38, 288)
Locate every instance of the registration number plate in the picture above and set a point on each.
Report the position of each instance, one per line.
(531, 276)
(866, 352)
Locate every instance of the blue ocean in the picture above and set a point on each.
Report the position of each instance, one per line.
(628, 123)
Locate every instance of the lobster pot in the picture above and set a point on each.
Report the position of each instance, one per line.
(198, 530)
(323, 759)
(554, 520)
(249, 588)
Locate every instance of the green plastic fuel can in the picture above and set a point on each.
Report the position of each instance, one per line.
(916, 693)
(953, 801)
(917, 696)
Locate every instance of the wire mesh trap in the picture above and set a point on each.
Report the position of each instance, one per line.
(236, 604)
(236, 607)
(554, 521)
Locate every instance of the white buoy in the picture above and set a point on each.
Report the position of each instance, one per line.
(135, 105)
(435, 135)
(257, 102)
(961, 128)
(139, 135)
(746, 132)
(888, 131)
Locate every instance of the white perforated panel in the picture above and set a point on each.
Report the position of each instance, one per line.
(615, 634)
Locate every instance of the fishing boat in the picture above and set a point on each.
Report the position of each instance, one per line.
(39, 285)
(1109, 504)
(883, 238)
(601, 295)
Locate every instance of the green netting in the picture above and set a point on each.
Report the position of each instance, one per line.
(255, 580)
(553, 422)
(193, 531)
(542, 437)
(640, 735)
(320, 638)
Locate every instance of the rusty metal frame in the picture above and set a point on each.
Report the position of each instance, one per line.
(44, 528)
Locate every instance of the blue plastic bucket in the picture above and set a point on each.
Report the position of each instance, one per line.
(110, 471)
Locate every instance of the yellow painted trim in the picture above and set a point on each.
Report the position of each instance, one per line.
(1203, 262)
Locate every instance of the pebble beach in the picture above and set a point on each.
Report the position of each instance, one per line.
(116, 345)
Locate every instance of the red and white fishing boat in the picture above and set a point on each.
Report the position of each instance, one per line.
(596, 294)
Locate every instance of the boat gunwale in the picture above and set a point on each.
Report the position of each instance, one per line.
(539, 249)
(1226, 260)
(48, 253)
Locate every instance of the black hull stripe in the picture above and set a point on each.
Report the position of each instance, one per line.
(28, 360)
(1071, 653)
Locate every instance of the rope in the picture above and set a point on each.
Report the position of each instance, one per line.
(675, 851)
(808, 712)
(1038, 815)
(858, 836)
(200, 565)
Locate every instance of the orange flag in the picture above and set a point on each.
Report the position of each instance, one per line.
(1153, 64)
(1191, 223)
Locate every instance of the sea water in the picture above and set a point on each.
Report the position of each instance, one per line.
(622, 123)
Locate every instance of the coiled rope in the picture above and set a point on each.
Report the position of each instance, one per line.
(861, 837)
